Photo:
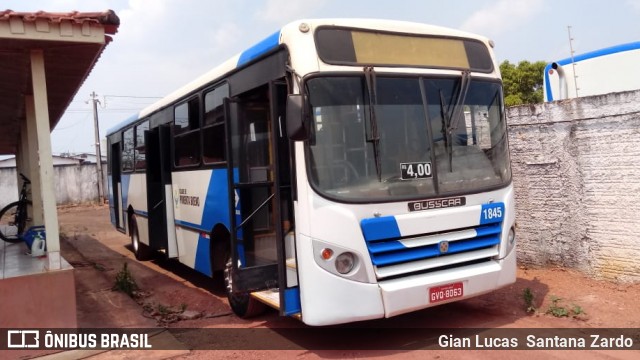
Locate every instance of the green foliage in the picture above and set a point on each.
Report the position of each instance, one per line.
(522, 83)
(162, 310)
(125, 282)
(557, 310)
(577, 310)
(527, 295)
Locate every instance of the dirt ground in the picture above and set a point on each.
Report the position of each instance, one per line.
(169, 286)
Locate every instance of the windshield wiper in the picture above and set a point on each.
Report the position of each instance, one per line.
(465, 80)
(374, 137)
(452, 116)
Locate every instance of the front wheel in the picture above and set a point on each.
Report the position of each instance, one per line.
(12, 223)
(242, 303)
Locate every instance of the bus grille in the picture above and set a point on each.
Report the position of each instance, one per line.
(430, 252)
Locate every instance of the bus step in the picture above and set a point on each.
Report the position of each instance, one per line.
(271, 297)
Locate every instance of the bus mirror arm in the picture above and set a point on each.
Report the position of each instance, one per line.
(297, 129)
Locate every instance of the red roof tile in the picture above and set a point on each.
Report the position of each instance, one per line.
(108, 18)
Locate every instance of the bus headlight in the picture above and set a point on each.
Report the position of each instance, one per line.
(511, 240)
(345, 262)
(340, 261)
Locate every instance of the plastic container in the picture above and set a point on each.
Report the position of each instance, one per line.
(35, 238)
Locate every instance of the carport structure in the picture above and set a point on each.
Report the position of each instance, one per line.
(44, 59)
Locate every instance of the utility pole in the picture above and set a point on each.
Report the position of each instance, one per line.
(95, 101)
(573, 63)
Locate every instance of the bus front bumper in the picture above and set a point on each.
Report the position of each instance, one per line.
(413, 293)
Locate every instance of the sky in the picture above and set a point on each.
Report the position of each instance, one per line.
(164, 44)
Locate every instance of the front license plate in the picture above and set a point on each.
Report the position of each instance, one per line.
(445, 292)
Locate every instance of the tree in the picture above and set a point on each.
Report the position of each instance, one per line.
(522, 83)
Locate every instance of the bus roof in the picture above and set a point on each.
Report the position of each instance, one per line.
(274, 40)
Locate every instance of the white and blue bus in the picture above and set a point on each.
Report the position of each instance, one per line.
(339, 170)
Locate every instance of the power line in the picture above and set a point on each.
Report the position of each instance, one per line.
(107, 109)
(72, 125)
(133, 97)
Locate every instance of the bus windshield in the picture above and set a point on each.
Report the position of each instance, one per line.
(413, 138)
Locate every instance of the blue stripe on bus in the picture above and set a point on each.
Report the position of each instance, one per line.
(125, 180)
(216, 202)
(190, 226)
(261, 48)
(431, 251)
(216, 211)
(396, 245)
(586, 56)
(380, 228)
(203, 257)
(292, 301)
(141, 213)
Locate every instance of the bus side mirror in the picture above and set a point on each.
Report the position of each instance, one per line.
(296, 125)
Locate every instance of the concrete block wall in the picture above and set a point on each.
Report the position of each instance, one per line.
(576, 171)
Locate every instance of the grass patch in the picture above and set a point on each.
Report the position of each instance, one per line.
(163, 310)
(527, 296)
(558, 310)
(125, 282)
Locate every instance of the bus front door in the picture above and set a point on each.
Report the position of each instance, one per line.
(262, 194)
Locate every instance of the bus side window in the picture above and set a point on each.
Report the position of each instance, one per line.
(140, 159)
(214, 144)
(186, 132)
(127, 150)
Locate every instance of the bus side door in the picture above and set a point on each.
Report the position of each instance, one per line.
(260, 183)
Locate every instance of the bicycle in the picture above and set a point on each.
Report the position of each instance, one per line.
(13, 217)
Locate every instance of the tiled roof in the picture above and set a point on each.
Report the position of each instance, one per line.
(108, 18)
(69, 43)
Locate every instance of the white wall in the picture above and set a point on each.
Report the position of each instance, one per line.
(576, 170)
(74, 184)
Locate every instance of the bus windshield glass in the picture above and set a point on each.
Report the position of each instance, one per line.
(413, 138)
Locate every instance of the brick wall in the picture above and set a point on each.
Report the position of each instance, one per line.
(576, 171)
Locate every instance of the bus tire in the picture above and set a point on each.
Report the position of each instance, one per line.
(141, 251)
(242, 303)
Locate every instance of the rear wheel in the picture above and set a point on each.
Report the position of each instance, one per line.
(242, 303)
(140, 250)
(10, 223)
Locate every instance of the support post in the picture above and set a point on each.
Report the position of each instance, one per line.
(43, 134)
(31, 151)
